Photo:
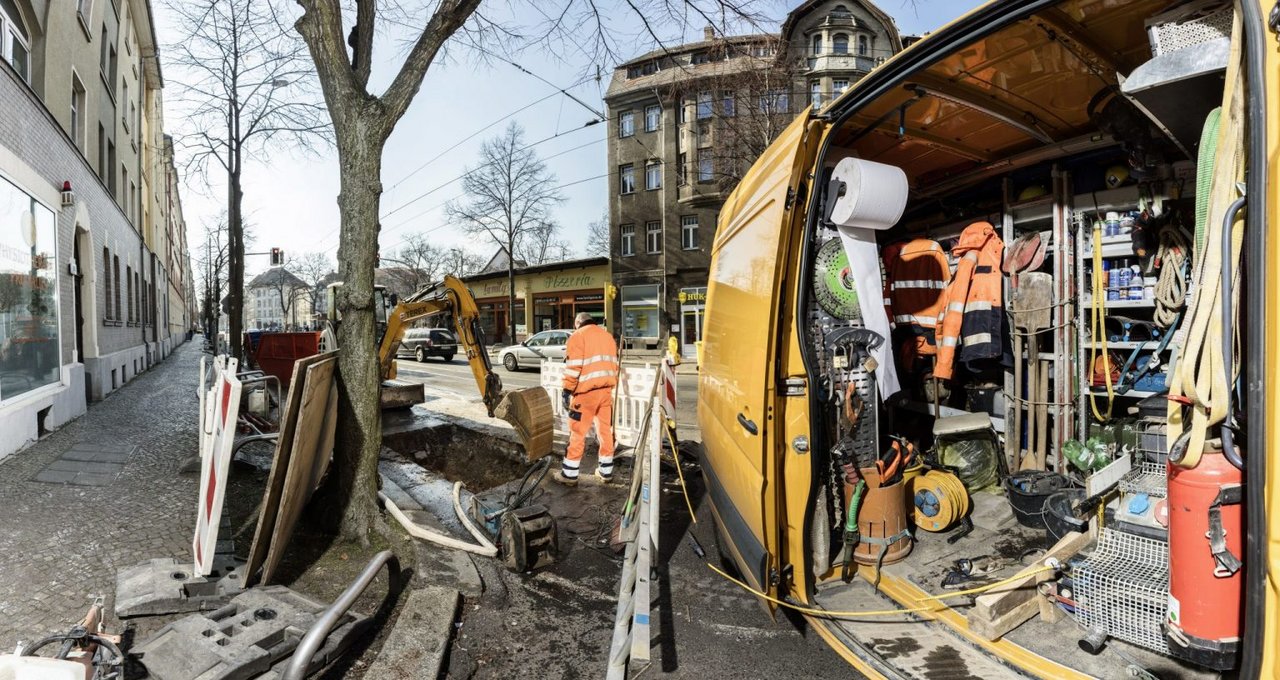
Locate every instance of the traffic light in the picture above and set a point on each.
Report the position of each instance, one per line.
(277, 257)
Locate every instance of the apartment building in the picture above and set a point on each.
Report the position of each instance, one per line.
(277, 300)
(85, 220)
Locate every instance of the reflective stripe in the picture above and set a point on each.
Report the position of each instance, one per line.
(919, 283)
(917, 319)
(572, 372)
(606, 461)
(575, 362)
(971, 256)
(977, 338)
(956, 307)
(598, 374)
(949, 342)
(977, 306)
(569, 473)
(570, 464)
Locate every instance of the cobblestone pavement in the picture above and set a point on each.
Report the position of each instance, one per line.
(61, 543)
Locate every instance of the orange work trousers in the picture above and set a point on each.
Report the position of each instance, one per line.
(596, 407)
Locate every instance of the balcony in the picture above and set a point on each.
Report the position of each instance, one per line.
(841, 62)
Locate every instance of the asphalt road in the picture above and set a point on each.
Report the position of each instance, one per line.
(455, 376)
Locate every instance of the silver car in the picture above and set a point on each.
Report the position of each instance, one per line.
(531, 352)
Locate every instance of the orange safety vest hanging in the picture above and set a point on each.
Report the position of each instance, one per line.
(918, 278)
(972, 319)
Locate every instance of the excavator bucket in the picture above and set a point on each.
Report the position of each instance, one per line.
(529, 411)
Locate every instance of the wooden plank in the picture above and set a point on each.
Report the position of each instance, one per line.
(994, 629)
(998, 601)
(269, 508)
(312, 447)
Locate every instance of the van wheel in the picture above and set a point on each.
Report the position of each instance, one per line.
(722, 551)
(421, 355)
(509, 362)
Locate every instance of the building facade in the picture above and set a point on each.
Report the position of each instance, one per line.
(277, 300)
(84, 216)
(548, 297)
(687, 122)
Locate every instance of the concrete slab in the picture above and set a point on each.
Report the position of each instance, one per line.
(416, 646)
(55, 476)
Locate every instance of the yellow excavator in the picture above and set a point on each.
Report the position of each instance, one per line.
(528, 410)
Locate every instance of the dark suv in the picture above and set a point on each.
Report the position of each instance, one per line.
(421, 343)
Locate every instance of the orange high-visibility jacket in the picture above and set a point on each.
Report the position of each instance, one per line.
(918, 278)
(591, 360)
(971, 320)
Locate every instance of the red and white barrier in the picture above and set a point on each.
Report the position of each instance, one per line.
(668, 393)
(221, 409)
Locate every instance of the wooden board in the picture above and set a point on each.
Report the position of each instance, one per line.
(269, 508)
(1002, 609)
(309, 458)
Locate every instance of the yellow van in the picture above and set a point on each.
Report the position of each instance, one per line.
(1027, 115)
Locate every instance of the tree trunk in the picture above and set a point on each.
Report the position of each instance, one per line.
(235, 256)
(511, 288)
(359, 439)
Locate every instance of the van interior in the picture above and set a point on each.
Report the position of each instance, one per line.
(1070, 164)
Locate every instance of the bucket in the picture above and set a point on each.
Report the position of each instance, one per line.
(883, 514)
(1027, 492)
(1060, 513)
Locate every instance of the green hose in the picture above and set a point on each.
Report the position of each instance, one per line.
(1204, 174)
(855, 500)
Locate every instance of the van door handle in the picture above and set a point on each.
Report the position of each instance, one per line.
(748, 424)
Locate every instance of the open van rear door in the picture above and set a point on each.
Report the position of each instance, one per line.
(737, 388)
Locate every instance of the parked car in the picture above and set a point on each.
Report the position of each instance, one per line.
(531, 352)
(421, 343)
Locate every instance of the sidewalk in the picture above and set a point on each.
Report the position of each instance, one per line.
(101, 493)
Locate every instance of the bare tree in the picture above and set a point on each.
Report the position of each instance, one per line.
(363, 120)
(312, 269)
(418, 262)
(509, 197)
(246, 87)
(541, 244)
(598, 237)
(212, 263)
(461, 262)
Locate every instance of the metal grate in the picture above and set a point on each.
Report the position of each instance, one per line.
(1123, 589)
(1151, 440)
(1202, 23)
(1146, 477)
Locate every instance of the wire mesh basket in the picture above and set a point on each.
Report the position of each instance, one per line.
(1152, 446)
(1122, 589)
(1146, 477)
(1189, 26)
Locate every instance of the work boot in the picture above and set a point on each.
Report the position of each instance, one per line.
(602, 478)
(561, 479)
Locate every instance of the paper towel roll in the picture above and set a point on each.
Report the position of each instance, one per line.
(874, 197)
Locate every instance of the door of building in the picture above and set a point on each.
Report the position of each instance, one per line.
(692, 304)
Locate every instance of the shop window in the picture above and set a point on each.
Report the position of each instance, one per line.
(627, 179)
(653, 237)
(15, 41)
(30, 347)
(627, 246)
(652, 118)
(840, 43)
(653, 175)
(626, 123)
(689, 232)
(640, 311)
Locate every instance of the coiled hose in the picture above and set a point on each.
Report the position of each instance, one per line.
(1171, 286)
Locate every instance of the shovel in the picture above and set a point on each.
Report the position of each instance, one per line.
(1026, 253)
(1034, 303)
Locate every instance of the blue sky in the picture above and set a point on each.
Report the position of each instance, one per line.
(292, 199)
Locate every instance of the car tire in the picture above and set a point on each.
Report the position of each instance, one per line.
(510, 362)
(447, 358)
(420, 355)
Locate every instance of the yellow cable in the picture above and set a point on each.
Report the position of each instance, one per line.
(1099, 330)
(881, 612)
(675, 452)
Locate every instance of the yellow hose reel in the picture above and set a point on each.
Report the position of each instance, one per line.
(940, 500)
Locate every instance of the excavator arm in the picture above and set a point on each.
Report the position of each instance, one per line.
(528, 410)
(449, 295)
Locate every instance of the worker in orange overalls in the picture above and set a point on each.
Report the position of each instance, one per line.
(590, 374)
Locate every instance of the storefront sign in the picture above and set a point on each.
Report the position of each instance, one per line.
(693, 296)
(491, 288)
(561, 281)
(547, 299)
(589, 297)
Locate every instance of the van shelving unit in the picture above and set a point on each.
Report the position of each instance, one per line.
(1092, 207)
(1049, 213)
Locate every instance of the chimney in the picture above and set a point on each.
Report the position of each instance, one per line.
(709, 33)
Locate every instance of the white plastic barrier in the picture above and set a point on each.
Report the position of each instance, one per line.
(630, 399)
(221, 408)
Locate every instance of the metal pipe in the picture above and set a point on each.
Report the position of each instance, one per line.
(1228, 332)
(328, 620)
(268, 437)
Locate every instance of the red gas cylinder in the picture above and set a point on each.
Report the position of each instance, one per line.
(1205, 589)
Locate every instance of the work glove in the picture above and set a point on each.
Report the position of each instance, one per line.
(566, 397)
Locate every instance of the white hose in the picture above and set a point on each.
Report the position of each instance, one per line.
(485, 549)
(1171, 287)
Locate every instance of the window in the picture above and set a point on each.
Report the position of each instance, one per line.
(135, 205)
(627, 244)
(704, 135)
(102, 51)
(626, 123)
(85, 9)
(29, 294)
(774, 101)
(111, 168)
(106, 286)
(115, 287)
(840, 43)
(863, 46)
(128, 280)
(640, 311)
(124, 99)
(652, 118)
(682, 169)
(653, 175)
(627, 179)
(838, 87)
(112, 64)
(704, 105)
(705, 167)
(127, 200)
(728, 104)
(77, 111)
(15, 42)
(689, 232)
(815, 93)
(653, 237)
(817, 44)
(102, 153)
